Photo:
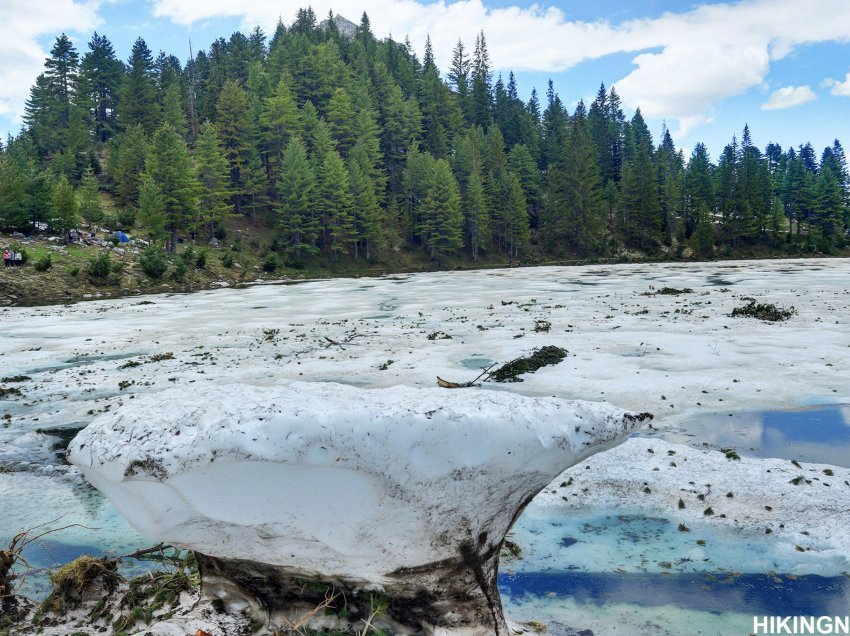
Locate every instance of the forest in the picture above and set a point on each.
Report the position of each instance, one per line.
(350, 146)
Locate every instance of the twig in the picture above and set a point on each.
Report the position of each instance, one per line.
(446, 384)
(139, 553)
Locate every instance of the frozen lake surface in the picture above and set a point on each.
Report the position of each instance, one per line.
(770, 392)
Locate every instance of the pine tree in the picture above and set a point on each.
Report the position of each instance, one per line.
(522, 164)
(441, 224)
(61, 71)
(170, 167)
(280, 120)
(138, 96)
(296, 215)
(670, 185)
(340, 119)
(336, 202)
(368, 219)
(151, 210)
(129, 165)
(481, 95)
(213, 178)
(101, 76)
(64, 207)
(698, 188)
(641, 215)
(89, 198)
(476, 217)
(575, 211)
(516, 218)
(235, 129)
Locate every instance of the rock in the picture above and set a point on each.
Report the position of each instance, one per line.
(291, 494)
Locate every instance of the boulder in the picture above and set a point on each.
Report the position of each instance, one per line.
(390, 501)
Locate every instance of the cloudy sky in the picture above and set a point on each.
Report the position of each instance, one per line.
(705, 69)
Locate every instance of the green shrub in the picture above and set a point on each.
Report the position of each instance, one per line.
(44, 263)
(227, 260)
(126, 217)
(180, 269)
(201, 261)
(188, 256)
(153, 262)
(220, 233)
(74, 270)
(99, 267)
(270, 263)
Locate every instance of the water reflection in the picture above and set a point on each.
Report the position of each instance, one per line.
(761, 594)
(817, 435)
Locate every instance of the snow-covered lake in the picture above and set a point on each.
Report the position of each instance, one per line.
(612, 537)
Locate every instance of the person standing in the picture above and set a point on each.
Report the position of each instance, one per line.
(7, 257)
(19, 259)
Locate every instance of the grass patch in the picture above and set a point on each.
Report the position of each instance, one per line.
(763, 311)
(669, 291)
(542, 357)
(74, 579)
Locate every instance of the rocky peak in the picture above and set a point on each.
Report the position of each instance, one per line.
(346, 27)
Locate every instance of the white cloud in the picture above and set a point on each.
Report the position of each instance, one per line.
(838, 87)
(686, 64)
(24, 22)
(789, 97)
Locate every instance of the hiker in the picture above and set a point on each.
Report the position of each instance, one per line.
(19, 259)
(7, 258)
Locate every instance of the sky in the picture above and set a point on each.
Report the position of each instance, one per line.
(703, 69)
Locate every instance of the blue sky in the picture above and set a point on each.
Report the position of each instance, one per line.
(705, 69)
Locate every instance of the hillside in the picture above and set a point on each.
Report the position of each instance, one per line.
(330, 151)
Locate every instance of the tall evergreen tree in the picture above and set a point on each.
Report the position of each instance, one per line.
(296, 212)
(213, 179)
(336, 202)
(138, 103)
(574, 211)
(129, 164)
(170, 167)
(641, 217)
(441, 223)
(101, 76)
(64, 207)
(481, 94)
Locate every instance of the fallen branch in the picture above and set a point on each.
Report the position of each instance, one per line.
(446, 384)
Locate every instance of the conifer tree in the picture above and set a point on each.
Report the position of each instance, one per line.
(516, 218)
(698, 188)
(138, 95)
(129, 165)
(340, 119)
(89, 198)
(151, 210)
(575, 212)
(235, 129)
(335, 202)
(441, 223)
(641, 219)
(368, 221)
(61, 71)
(481, 94)
(64, 207)
(101, 76)
(170, 167)
(213, 178)
(296, 214)
(476, 217)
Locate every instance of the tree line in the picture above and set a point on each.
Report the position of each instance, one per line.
(350, 145)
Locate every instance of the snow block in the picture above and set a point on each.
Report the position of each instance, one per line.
(399, 497)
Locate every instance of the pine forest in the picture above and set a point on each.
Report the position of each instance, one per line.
(349, 147)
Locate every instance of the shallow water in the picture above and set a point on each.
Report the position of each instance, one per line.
(817, 434)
